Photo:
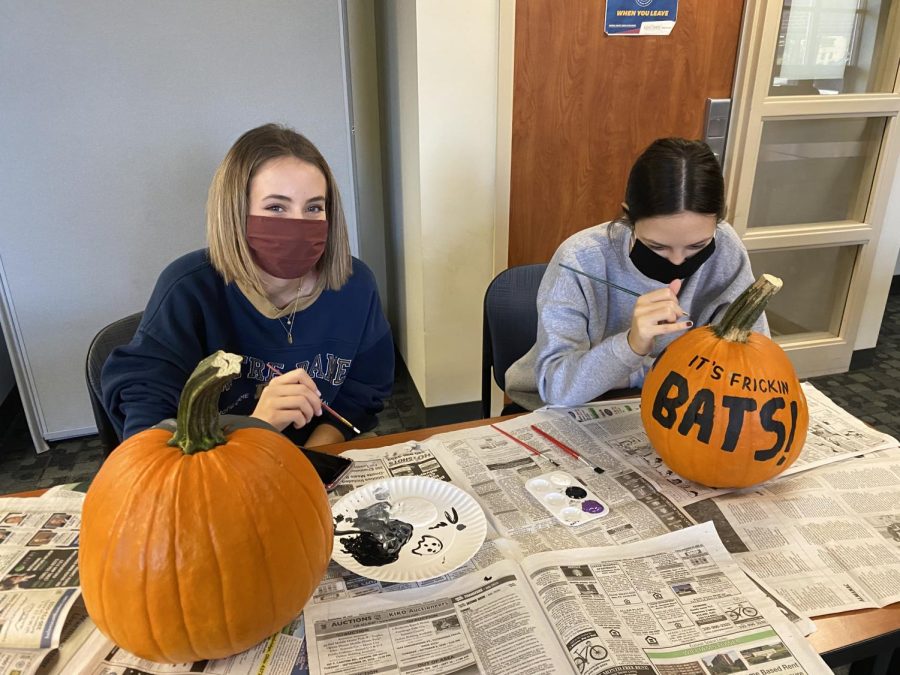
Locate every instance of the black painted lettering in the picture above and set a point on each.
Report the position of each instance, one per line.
(737, 406)
(790, 440)
(768, 423)
(700, 411)
(672, 395)
(717, 372)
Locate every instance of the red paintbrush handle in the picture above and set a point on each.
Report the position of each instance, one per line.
(559, 444)
(519, 441)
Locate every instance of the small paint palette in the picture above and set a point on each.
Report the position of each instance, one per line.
(566, 498)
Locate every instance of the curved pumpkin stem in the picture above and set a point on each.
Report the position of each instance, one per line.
(737, 323)
(197, 426)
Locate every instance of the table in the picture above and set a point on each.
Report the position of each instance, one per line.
(864, 637)
(867, 638)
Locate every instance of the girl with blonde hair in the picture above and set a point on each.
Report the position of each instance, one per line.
(278, 286)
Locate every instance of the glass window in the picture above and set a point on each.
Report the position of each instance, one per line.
(830, 47)
(816, 283)
(815, 170)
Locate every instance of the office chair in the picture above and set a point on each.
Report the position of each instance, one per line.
(510, 324)
(108, 338)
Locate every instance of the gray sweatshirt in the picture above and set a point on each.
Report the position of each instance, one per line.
(582, 348)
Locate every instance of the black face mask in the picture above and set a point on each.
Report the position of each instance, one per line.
(656, 267)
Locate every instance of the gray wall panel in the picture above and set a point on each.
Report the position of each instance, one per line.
(113, 117)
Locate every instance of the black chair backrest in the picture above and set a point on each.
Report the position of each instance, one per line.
(117, 333)
(510, 324)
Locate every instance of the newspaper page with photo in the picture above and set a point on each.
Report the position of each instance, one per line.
(827, 540)
(38, 570)
(38, 578)
(660, 606)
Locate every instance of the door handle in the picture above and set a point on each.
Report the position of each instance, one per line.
(715, 126)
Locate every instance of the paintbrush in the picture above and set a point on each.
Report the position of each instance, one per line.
(565, 448)
(601, 280)
(331, 411)
(607, 282)
(530, 448)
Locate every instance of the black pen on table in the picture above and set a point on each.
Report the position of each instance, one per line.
(325, 406)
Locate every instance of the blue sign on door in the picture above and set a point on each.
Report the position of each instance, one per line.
(640, 17)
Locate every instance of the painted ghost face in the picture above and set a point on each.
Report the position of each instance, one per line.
(428, 545)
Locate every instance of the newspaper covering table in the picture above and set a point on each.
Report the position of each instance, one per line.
(816, 506)
(827, 540)
(663, 605)
(38, 579)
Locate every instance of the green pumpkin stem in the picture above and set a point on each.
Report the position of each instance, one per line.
(197, 426)
(737, 323)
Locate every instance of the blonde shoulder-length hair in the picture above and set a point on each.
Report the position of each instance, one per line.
(227, 208)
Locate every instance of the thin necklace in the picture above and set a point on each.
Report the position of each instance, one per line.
(289, 328)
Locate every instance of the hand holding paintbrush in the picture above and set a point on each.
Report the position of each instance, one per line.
(294, 399)
(655, 313)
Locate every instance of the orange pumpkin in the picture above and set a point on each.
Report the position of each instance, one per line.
(722, 405)
(199, 544)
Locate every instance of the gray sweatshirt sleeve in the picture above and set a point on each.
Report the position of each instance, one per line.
(570, 367)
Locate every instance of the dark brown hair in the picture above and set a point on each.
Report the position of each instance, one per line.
(674, 175)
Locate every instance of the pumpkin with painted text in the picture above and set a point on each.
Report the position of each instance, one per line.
(722, 405)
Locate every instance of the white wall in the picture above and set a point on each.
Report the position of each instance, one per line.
(366, 139)
(398, 78)
(884, 267)
(439, 73)
(113, 117)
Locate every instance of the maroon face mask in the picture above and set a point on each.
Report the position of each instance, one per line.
(286, 248)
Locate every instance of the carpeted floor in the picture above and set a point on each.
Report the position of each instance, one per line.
(871, 393)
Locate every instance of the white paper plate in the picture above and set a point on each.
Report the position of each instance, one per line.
(448, 527)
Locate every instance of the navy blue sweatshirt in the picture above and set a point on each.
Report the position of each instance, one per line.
(342, 340)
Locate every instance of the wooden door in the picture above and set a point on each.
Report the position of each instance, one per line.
(585, 105)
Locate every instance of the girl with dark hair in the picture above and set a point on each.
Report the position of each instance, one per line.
(277, 284)
(670, 246)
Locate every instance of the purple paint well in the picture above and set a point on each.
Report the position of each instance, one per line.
(591, 506)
